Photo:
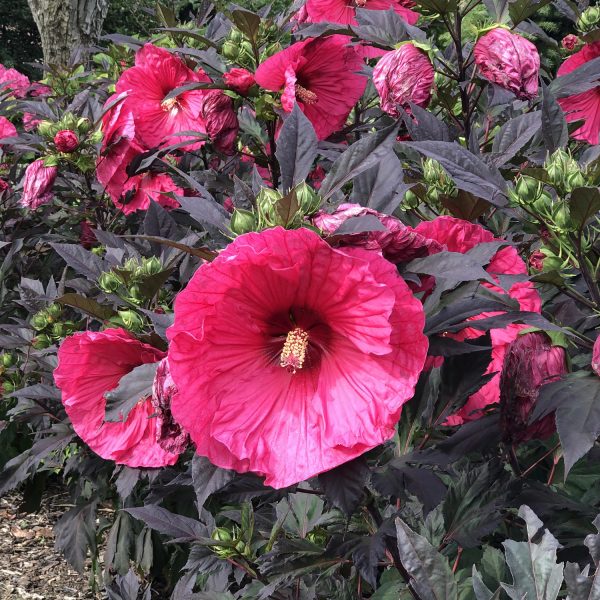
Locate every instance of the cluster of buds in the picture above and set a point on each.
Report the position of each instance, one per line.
(10, 376)
(238, 48)
(232, 546)
(49, 326)
(128, 281)
(564, 173)
(273, 209)
(437, 184)
(128, 319)
(589, 19)
(68, 138)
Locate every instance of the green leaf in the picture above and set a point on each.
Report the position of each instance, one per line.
(519, 10)
(430, 573)
(247, 22)
(287, 208)
(536, 576)
(584, 205)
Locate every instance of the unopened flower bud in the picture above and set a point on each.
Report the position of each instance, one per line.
(58, 330)
(7, 387)
(151, 266)
(131, 320)
(230, 50)
(528, 189)
(66, 141)
(536, 260)
(403, 77)
(569, 42)
(83, 125)
(37, 184)
(8, 359)
(562, 217)
(510, 61)
(589, 19)
(54, 310)
(239, 80)
(109, 282)
(308, 200)
(39, 321)
(46, 128)
(242, 221)
(41, 341)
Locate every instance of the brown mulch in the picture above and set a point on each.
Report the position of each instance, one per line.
(30, 568)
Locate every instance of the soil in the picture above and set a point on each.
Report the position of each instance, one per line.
(30, 568)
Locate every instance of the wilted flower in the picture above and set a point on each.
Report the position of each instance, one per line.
(321, 75)
(4, 186)
(536, 260)
(11, 79)
(397, 242)
(66, 141)
(87, 237)
(569, 41)
(531, 361)
(90, 364)
(228, 205)
(30, 122)
(169, 435)
(510, 61)
(596, 357)
(402, 77)
(159, 119)
(220, 120)
(37, 184)
(291, 357)
(344, 11)
(457, 235)
(239, 80)
(585, 106)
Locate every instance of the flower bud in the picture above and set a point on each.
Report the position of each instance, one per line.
(573, 180)
(58, 330)
(220, 534)
(41, 341)
(4, 186)
(8, 359)
(66, 141)
(46, 128)
(530, 362)
(528, 189)
(402, 77)
(536, 260)
(37, 184)
(242, 221)
(562, 217)
(7, 387)
(54, 310)
(83, 125)
(151, 266)
(589, 19)
(308, 200)
(230, 50)
(510, 61)
(570, 42)
(228, 205)
(131, 320)
(109, 282)
(239, 80)
(39, 321)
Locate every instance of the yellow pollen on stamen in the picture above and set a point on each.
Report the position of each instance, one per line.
(170, 105)
(305, 95)
(294, 350)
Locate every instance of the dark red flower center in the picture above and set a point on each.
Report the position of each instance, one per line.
(305, 95)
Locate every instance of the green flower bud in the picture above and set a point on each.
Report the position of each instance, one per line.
(96, 137)
(574, 180)
(151, 266)
(432, 171)
(308, 200)
(41, 341)
(221, 534)
(47, 129)
(58, 330)
(528, 189)
(242, 221)
(411, 200)
(551, 261)
(543, 204)
(235, 35)
(83, 125)
(589, 19)
(230, 50)
(562, 217)
(8, 359)
(7, 387)
(54, 310)
(131, 320)
(39, 321)
(135, 294)
(109, 282)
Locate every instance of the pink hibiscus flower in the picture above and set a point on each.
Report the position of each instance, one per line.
(12, 80)
(292, 357)
(321, 75)
(158, 120)
(91, 364)
(461, 236)
(344, 11)
(37, 184)
(398, 243)
(585, 106)
(7, 129)
(119, 148)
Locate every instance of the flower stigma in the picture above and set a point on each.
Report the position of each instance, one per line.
(294, 349)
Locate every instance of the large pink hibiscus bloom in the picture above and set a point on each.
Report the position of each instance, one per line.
(461, 236)
(158, 120)
(14, 81)
(585, 106)
(344, 11)
(292, 357)
(321, 75)
(91, 364)
(7, 129)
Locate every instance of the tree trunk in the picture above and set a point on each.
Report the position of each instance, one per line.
(65, 25)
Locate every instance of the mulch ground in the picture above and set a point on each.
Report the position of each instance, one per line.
(30, 568)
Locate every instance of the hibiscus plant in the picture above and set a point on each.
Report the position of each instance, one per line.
(304, 303)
